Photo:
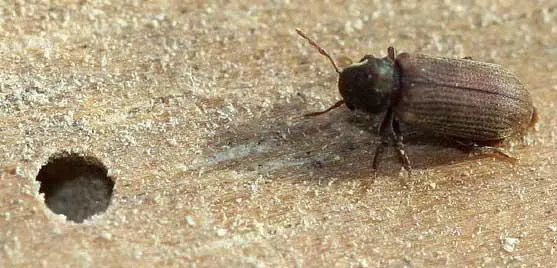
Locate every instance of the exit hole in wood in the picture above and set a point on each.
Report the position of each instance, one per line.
(75, 185)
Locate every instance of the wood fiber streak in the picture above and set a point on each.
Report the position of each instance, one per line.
(462, 98)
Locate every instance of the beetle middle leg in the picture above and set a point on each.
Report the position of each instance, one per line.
(399, 145)
(390, 132)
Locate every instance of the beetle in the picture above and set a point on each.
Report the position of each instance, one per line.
(475, 103)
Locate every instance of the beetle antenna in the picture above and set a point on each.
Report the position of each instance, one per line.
(334, 106)
(321, 50)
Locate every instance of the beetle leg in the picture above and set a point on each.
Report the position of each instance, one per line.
(390, 131)
(399, 145)
(472, 147)
(496, 151)
(384, 131)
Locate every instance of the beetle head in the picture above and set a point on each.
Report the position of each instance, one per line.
(368, 84)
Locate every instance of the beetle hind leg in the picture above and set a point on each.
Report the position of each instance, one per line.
(485, 149)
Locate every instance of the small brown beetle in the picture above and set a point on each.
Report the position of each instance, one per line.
(476, 103)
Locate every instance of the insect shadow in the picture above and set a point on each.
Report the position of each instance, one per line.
(339, 144)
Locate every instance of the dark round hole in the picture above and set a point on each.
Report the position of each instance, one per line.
(75, 185)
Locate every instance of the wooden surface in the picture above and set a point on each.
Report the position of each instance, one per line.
(189, 105)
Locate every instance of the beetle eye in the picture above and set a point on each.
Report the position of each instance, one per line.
(349, 106)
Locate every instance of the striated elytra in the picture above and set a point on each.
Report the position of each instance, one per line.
(476, 103)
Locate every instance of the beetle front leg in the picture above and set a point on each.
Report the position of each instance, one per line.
(390, 131)
(384, 132)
